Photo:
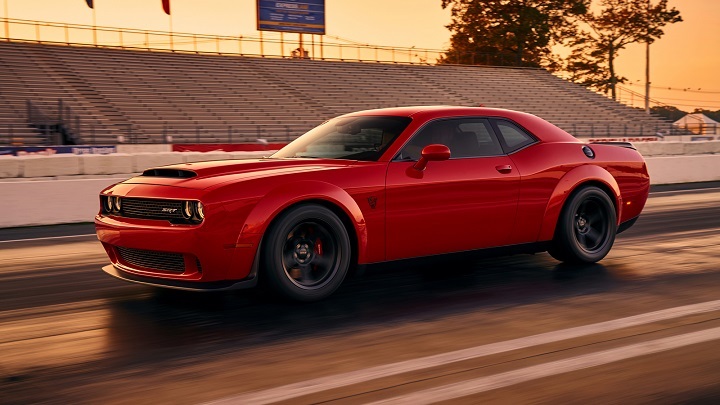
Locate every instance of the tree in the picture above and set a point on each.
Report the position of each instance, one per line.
(669, 112)
(509, 32)
(713, 115)
(617, 24)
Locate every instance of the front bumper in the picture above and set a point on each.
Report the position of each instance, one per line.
(222, 285)
(208, 256)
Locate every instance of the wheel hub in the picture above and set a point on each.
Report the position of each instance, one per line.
(581, 223)
(303, 253)
(310, 255)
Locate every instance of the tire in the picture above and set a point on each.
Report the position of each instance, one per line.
(306, 253)
(586, 228)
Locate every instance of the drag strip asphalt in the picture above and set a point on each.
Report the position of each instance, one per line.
(641, 326)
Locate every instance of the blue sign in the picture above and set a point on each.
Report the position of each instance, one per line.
(52, 150)
(301, 16)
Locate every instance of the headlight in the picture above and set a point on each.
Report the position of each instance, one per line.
(200, 210)
(187, 209)
(107, 203)
(117, 204)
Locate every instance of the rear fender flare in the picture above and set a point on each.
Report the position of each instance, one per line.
(586, 174)
(280, 198)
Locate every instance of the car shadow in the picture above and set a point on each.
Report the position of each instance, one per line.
(172, 322)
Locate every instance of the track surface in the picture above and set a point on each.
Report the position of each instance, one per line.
(71, 334)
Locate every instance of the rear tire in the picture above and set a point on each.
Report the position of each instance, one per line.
(586, 228)
(306, 253)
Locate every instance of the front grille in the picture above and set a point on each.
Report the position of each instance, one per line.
(152, 209)
(151, 259)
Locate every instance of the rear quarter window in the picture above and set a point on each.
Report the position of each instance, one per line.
(514, 137)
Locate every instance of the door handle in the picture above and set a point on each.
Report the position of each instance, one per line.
(504, 168)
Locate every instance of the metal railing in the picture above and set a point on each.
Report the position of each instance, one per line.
(642, 130)
(267, 44)
(95, 133)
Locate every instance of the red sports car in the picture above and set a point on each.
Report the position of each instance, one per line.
(369, 187)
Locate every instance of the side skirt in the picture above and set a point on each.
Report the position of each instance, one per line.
(525, 248)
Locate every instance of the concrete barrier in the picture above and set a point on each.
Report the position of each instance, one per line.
(701, 147)
(50, 202)
(677, 148)
(144, 148)
(67, 199)
(55, 165)
(9, 167)
(659, 148)
(117, 163)
(683, 169)
(128, 160)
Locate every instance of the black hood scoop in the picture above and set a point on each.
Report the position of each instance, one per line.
(170, 173)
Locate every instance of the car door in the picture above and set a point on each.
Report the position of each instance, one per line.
(467, 202)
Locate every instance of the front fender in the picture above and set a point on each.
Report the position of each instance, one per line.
(280, 198)
(569, 183)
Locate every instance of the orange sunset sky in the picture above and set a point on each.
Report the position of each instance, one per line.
(686, 59)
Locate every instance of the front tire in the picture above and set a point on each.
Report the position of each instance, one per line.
(306, 253)
(586, 228)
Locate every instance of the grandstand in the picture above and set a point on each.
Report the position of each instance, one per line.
(154, 97)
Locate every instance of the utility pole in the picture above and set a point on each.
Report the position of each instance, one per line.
(647, 62)
(7, 23)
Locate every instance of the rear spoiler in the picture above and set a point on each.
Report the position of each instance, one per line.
(620, 144)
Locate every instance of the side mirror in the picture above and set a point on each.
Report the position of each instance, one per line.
(434, 152)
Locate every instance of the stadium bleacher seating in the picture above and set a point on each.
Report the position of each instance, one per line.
(145, 96)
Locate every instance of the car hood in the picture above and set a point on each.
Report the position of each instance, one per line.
(202, 175)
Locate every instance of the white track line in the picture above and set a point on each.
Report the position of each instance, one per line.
(482, 384)
(48, 238)
(308, 387)
(685, 191)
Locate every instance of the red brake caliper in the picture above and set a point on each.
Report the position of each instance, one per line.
(318, 247)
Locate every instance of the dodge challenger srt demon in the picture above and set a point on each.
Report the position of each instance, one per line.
(369, 187)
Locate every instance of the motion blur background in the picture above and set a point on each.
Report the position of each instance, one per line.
(684, 60)
(93, 92)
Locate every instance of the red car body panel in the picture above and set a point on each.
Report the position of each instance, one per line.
(449, 200)
(465, 203)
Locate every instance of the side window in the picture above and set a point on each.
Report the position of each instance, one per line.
(514, 137)
(466, 137)
(480, 139)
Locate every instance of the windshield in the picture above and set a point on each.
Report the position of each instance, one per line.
(355, 138)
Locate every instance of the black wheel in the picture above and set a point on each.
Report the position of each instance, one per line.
(586, 228)
(306, 253)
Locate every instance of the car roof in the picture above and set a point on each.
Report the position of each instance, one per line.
(441, 109)
(542, 129)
